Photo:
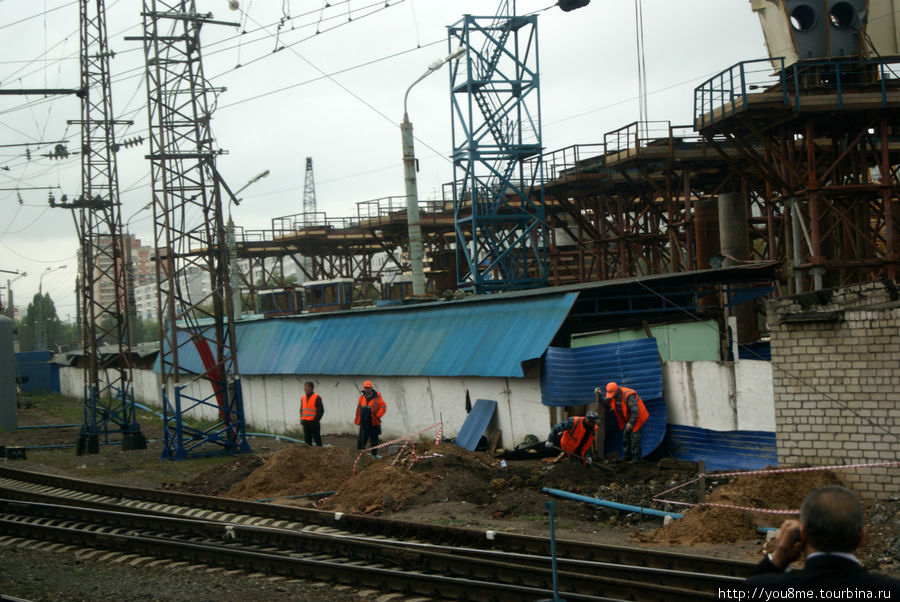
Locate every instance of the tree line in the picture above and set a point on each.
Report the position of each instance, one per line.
(59, 336)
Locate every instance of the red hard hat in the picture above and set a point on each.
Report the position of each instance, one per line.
(368, 384)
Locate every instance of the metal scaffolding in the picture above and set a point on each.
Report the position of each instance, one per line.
(818, 142)
(501, 232)
(192, 263)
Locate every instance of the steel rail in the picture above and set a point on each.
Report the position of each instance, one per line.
(219, 508)
(277, 563)
(533, 571)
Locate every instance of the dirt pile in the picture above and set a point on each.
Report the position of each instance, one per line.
(297, 470)
(714, 524)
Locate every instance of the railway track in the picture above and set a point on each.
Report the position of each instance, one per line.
(385, 555)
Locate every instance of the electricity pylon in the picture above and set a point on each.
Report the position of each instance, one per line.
(196, 312)
(108, 386)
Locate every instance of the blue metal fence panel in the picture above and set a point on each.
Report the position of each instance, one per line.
(477, 420)
(492, 337)
(570, 376)
(723, 450)
(37, 372)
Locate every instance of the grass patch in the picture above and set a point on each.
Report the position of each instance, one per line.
(450, 522)
(62, 409)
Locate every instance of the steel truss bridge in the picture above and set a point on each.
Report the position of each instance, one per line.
(806, 157)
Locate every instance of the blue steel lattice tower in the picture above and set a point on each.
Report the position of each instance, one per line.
(498, 195)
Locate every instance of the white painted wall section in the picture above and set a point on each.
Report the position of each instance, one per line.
(721, 396)
(713, 395)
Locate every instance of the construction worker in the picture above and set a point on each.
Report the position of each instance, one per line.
(575, 436)
(632, 414)
(369, 410)
(311, 412)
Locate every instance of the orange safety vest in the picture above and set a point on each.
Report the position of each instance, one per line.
(308, 407)
(622, 412)
(577, 439)
(377, 406)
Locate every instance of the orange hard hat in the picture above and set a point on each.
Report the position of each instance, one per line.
(611, 389)
(368, 384)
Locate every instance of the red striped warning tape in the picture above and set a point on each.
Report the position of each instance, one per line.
(765, 510)
(805, 469)
(656, 498)
(439, 426)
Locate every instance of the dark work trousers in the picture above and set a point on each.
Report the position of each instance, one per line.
(312, 431)
(631, 444)
(369, 433)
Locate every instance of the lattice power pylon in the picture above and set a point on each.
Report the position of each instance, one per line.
(196, 311)
(309, 189)
(501, 233)
(108, 386)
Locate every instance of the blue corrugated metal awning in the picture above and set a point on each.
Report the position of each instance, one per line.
(478, 337)
(570, 376)
(477, 420)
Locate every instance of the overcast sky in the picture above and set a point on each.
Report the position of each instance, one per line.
(335, 96)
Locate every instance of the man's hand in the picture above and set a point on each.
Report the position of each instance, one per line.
(588, 461)
(789, 544)
(598, 391)
(548, 444)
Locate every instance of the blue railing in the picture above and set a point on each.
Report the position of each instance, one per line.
(728, 92)
(725, 94)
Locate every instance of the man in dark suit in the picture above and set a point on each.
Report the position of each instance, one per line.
(830, 529)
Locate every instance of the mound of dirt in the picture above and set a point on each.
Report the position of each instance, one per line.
(296, 470)
(713, 524)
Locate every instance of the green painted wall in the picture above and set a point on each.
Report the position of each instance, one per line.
(686, 342)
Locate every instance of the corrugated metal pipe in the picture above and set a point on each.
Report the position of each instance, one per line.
(608, 504)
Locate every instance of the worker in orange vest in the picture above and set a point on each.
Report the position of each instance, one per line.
(632, 414)
(311, 412)
(370, 408)
(575, 436)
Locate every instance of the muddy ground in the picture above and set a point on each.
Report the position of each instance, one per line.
(445, 484)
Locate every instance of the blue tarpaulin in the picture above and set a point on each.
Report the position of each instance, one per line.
(570, 376)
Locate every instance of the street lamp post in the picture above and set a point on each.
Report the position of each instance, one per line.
(40, 341)
(231, 240)
(416, 247)
(10, 312)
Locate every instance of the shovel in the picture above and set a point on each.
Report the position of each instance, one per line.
(580, 458)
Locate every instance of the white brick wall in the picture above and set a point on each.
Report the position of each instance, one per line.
(835, 383)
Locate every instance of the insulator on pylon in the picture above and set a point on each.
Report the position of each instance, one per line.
(59, 152)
